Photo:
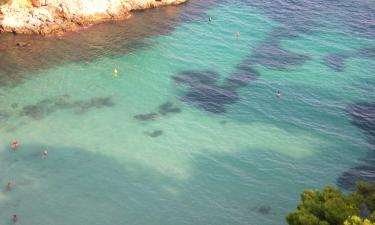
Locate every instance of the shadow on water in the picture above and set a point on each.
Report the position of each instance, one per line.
(76, 186)
(363, 116)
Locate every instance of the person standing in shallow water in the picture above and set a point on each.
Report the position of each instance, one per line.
(14, 145)
(9, 185)
(45, 154)
(14, 218)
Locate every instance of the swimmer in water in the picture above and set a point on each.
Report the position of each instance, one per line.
(238, 34)
(209, 19)
(45, 154)
(14, 218)
(278, 94)
(115, 72)
(14, 145)
(9, 185)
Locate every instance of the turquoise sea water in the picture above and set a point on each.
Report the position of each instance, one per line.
(152, 144)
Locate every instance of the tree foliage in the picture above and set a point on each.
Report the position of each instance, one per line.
(356, 220)
(331, 207)
(367, 193)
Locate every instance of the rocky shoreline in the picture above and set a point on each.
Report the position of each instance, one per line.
(54, 17)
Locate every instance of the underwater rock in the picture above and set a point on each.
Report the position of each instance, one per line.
(203, 90)
(195, 78)
(33, 111)
(95, 103)
(211, 98)
(155, 133)
(363, 172)
(4, 115)
(47, 106)
(168, 108)
(335, 61)
(265, 210)
(223, 122)
(363, 116)
(243, 76)
(269, 54)
(163, 109)
(366, 53)
(146, 117)
(39, 110)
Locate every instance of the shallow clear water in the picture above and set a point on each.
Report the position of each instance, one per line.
(190, 130)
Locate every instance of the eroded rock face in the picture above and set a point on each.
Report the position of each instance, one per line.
(56, 16)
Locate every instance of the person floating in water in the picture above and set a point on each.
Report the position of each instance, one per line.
(14, 218)
(278, 94)
(45, 154)
(14, 145)
(9, 185)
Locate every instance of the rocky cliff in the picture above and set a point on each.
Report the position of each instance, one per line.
(57, 16)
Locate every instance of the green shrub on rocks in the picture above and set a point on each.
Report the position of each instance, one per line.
(331, 207)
